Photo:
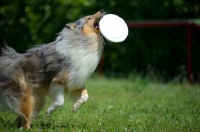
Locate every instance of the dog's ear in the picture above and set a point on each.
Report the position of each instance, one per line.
(71, 25)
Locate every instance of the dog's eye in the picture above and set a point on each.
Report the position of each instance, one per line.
(89, 18)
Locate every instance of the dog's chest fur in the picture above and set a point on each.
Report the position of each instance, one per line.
(82, 54)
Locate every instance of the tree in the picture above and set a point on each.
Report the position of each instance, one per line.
(27, 23)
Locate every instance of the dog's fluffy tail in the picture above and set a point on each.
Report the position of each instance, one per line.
(8, 97)
(8, 61)
(8, 50)
(9, 100)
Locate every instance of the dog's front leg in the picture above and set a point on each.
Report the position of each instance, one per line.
(56, 94)
(80, 96)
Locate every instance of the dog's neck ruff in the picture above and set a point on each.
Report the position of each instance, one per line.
(83, 53)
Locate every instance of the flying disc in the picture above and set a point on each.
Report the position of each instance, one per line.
(113, 28)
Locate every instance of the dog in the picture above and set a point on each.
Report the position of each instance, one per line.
(55, 69)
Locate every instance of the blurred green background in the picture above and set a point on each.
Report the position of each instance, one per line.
(157, 51)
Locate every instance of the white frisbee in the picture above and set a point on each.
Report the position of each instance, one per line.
(113, 28)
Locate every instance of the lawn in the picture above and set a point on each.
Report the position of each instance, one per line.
(123, 105)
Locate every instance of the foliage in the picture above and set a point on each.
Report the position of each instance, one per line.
(26, 23)
(133, 104)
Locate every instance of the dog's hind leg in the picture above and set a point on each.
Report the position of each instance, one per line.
(26, 108)
(80, 96)
(56, 94)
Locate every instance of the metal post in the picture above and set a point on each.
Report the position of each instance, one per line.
(189, 53)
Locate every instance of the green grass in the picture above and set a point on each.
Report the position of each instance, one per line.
(123, 105)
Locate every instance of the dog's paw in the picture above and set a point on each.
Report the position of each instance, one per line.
(80, 102)
(76, 107)
(48, 113)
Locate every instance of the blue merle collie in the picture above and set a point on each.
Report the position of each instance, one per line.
(53, 69)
